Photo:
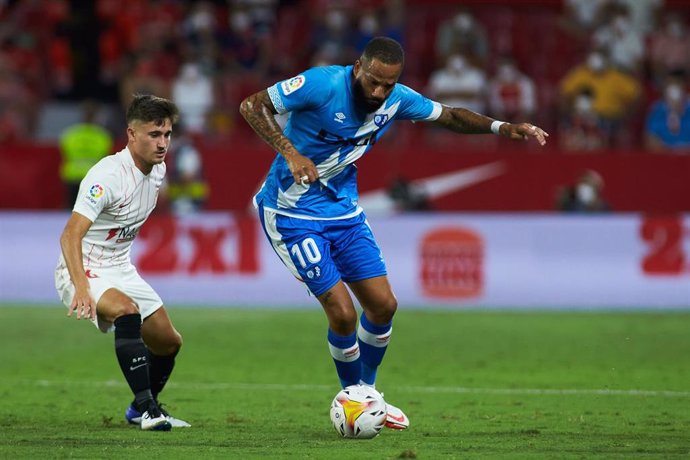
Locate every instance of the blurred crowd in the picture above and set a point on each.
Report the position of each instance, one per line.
(597, 74)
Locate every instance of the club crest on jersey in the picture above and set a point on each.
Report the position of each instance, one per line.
(95, 193)
(380, 119)
(293, 84)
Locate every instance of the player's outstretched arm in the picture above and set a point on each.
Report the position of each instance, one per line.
(467, 122)
(70, 243)
(259, 112)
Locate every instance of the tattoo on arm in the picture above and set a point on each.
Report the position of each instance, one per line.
(464, 121)
(259, 112)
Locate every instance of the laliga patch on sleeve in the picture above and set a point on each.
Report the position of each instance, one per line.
(293, 84)
(95, 193)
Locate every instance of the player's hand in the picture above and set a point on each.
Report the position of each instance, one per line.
(523, 131)
(302, 168)
(83, 304)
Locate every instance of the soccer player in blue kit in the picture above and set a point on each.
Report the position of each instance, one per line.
(308, 203)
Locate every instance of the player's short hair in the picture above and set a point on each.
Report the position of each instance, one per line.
(148, 108)
(384, 49)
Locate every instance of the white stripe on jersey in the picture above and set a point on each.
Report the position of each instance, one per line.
(282, 212)
(118, 198)
(436, 111)
(369, 125)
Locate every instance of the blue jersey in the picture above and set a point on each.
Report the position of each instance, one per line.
(325, 125)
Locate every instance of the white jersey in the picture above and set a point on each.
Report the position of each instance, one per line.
(118, 198)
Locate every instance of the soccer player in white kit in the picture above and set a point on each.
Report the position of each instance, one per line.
(95, 277)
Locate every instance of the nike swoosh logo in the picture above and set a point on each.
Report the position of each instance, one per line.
(131, 368)
(378, 201)
(397, 419)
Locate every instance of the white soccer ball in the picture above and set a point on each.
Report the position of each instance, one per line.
(358, 411)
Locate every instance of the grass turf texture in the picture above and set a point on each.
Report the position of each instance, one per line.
(258, 384)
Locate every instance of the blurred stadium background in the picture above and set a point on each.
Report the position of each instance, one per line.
(598, 218)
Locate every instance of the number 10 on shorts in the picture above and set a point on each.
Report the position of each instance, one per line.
(306, 252)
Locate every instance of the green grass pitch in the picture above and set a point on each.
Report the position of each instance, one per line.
(258, 384)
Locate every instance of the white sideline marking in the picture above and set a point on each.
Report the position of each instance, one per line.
(200, 386)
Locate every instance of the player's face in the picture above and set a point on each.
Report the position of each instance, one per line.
(149, 143)
(374, 82)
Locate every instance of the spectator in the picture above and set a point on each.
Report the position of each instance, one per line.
(244, 50)
(643, 14)
(261, 13)
(199, 34)
(386, 21)
(187, 190)
(668, 120)
(192, 92)
(368, 27)
(17, 103)
(82, 145)
(614, 93)
(669, 50)
(406, 196)
(585, 195)
(333, 38)
(459, 84)
(621, 42)
(581, 129)
(141, 79)
(581, 17)
(393, 23)
(462, 34)
(511, 93)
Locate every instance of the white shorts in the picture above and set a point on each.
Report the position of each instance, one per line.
(125, 279)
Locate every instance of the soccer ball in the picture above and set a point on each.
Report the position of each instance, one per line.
(358, 411)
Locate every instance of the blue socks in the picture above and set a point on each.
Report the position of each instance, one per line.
(373, 341)
(358, 355)
(345, 353)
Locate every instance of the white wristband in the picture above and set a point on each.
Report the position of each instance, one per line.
(496, 125)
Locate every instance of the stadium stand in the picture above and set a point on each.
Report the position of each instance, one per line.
(54, 54)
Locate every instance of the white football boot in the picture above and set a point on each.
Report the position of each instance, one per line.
(174, 422)
(133, 417)
(154, 419)
(395, 418)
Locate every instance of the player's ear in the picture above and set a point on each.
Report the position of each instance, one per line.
(357, 67)
(130, 133)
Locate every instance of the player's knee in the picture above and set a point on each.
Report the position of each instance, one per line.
(124, 308)
(175, 342)
(385, 310)
(344, 321)
(170, 345)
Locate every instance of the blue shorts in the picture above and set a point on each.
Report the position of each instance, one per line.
(322, 252)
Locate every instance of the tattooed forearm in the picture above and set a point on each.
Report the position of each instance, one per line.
(258, 110)
(464, 121)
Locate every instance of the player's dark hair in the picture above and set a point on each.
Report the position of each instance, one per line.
(148, 108)
(384, 49)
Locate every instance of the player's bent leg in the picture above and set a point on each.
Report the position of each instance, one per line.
(375, 325)
(376, 297)
(132, 354)
(160, 335)
(339, 309)
(163, 342)
(342, 337)
(374, 333)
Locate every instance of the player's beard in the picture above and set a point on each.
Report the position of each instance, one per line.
(368, 104)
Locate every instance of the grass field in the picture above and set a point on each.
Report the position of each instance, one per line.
(258, 384)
